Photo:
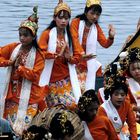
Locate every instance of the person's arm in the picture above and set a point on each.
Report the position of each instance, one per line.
(74, 27)
(102, 127)
(5, 54)
(32, 74)
(104, 42)
(43, 44)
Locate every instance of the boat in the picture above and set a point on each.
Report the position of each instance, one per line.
(132, 43)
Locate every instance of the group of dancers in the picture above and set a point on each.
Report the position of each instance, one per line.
(49, 91)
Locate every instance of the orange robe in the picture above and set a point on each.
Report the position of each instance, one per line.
(37, 93)
(126, 114)
(102, 128)
(60, 67)
(75, 38)
(60, 88)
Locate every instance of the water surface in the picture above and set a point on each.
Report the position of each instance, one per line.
(123, 14)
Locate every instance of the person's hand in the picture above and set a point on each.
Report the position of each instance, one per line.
(112, 31)
(88, 56)
(6, 63)
(129, 38)
(67, 54)
(62, 44)
(10, 63)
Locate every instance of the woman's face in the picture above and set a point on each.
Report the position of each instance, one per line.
(62, 19)
(25, 36)
(92, 16)
(118, 97)
(134, 70)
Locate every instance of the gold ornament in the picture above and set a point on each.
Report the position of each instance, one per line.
(62, 6)
(31, 22)
(92, 2)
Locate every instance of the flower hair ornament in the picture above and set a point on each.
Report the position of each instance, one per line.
(32, 22)
(114, 78)
(92, 2)
(62, 6)
(129, 56)
(63, 119)
(61, 126)
(36, 132)
(86, 99)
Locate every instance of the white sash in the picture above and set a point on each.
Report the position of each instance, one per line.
(114, 117)
(4, 90)
(87, 135)
(25, 89)
(102, 95)
(19, 123)
(135, 88)
(46, 74)
(92, 64)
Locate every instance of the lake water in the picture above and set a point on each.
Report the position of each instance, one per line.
(123, 14)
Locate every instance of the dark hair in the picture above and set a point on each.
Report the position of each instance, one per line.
(34, 42)
(132, 57)
(89, 94)
(115, 86)
(38, 133)
(53, 24)
(59, 131)
(85, 101)
(95, 8)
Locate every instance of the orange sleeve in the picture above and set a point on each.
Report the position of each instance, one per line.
(102, 39)
(101, 111)
(109, 127)
(102, 128)
(43, 44)
(75, 37)
(77, 48)
(5, 54)
(33, 74)
(131, 121)
(43, 40)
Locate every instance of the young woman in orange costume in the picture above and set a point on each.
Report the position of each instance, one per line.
(86, 32)
(117, 108)
(96, 126)
(59, 72)
(22, 97)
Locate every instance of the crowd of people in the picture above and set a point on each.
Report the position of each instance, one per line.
(49, 92)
